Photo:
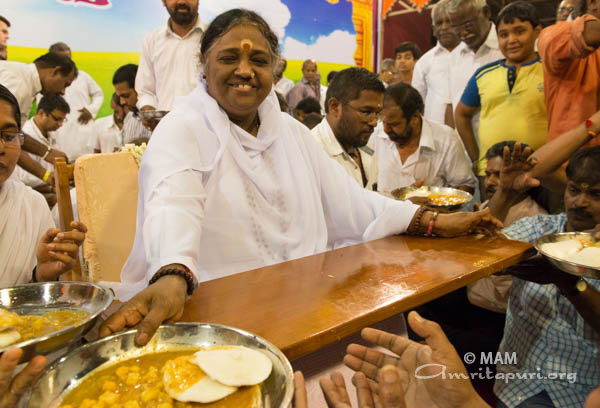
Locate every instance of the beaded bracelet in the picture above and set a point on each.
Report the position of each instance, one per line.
(431, 224)
(416, 227)
(189, 277)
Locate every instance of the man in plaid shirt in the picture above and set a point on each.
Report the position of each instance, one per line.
(553, 318)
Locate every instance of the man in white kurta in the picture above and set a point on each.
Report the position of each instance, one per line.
(440, 160)
(326, 138)
(168, 66)
(32, 129)
(220, 201)
(23, 80)
(24, 219)
(108, 135)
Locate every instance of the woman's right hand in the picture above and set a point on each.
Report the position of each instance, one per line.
(160, 302)
(11, 389)
(465, 223)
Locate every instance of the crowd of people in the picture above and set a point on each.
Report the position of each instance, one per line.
(248, 169)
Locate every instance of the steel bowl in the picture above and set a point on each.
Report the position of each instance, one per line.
(401, 194)
(152, 114)
(566, 266)
(69, 371)
(39, 298)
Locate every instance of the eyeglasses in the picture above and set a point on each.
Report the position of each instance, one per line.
(366, 114)
(566, 9)
(469, 24)
(59, 120)
(12, 137)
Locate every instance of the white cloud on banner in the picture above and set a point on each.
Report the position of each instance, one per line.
(274, 12)
(338, 47)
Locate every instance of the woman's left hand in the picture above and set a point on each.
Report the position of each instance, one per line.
(57, 251)
(465, 223)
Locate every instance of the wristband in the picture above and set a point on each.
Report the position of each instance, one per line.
(416, 227)
(189, 277)
(46, 176)
(47, 153)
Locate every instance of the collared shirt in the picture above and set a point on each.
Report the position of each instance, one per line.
(512, 106)
(326, 138)
(548, 335)
(430, 78)
(27, 178)
(284, 86)
(440, 159)
(168, 66)
(571, 76)
(464, 62)
(133, 129)
(23, 81)
(108, 135)
(302, 90)
(83, 92)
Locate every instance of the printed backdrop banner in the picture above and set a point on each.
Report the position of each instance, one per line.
(105, 34)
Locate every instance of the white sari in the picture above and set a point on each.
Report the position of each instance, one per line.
(220, 201)
(24, 218)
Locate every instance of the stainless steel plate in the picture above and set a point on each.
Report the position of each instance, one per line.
(401, 194)
(152, 114)
(69, 371)
(566, 266)
(39, 298)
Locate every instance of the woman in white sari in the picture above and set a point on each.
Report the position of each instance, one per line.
(229, 183)
(30, 247)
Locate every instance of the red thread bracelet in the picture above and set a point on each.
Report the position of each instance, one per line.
(431, 224)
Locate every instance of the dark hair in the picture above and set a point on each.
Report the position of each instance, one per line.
(229, 19)
(407, 98)
(498, 149)
(408, 46)
(49, 103)
(349, 83)
(331, 75)
(585, 166)
(312, 120)
(59, 47)
(126, 73)
(10, 98)
(5, 21)
(521, 10)
(283, 105)
(52, 60)
(309, 105)
(582, 7)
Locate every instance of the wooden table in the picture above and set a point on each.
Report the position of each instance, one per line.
(307, 303)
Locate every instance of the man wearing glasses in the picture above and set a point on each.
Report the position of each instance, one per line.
(413, 150)
(51, 115)
(353, 103)
(470, 20)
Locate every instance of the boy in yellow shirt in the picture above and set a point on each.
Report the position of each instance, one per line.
(508, 93)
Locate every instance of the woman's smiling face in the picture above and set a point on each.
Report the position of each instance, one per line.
(239, 71)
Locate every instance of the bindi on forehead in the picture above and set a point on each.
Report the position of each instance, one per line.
(246, 45)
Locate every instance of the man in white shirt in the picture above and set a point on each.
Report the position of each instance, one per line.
(49, 74)
(85, 97)
(4, 26)
(51, 114)
(354, 101)
(124, 83)
(282, 84)
(169, 60)
(470, 20)
(413, 150)
(431, 76)
(108, 129)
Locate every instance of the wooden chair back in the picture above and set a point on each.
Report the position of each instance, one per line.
(63, 174)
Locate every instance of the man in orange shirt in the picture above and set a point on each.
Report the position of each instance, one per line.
(571, 58)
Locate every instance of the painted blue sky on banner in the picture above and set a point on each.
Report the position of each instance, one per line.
(306, 28)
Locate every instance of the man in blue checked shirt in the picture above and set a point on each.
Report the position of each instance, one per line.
(553, 318)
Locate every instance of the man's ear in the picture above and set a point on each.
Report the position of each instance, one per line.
(537, 30)
(487, 12)
(334, 107)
